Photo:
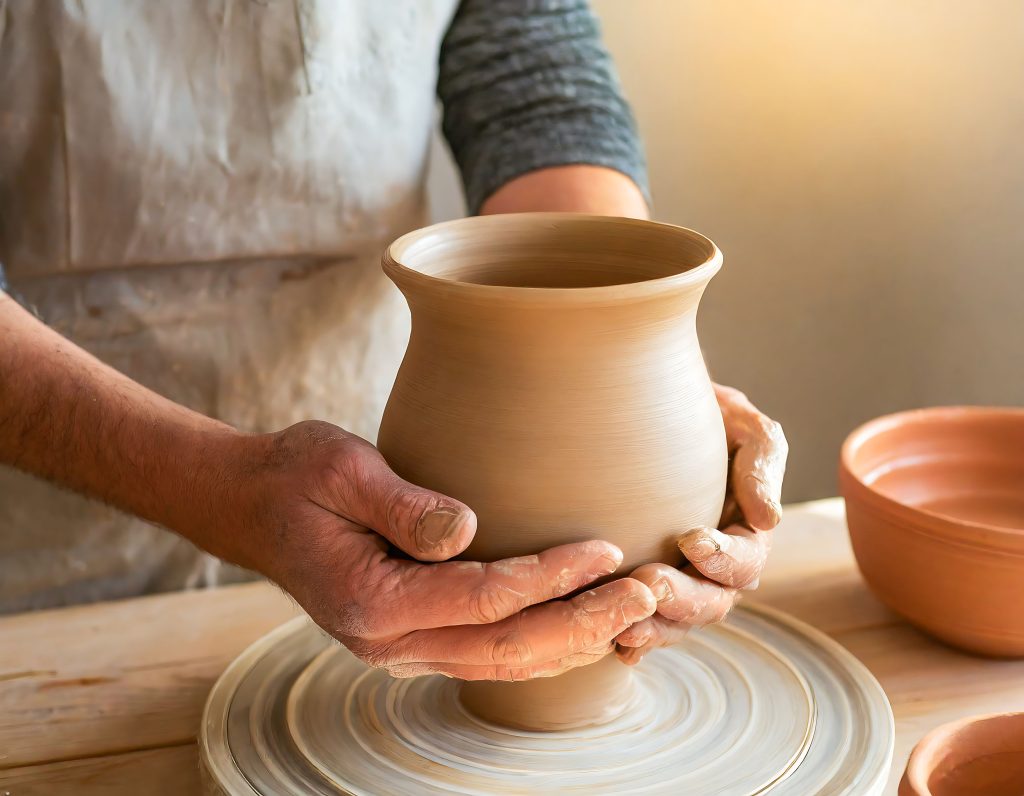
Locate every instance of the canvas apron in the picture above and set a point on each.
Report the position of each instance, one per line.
(198, 192)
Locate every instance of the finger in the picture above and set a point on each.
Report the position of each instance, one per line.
(734, 557)
(504, 673)
(685, 595)
(655, 631)
(425, 524)
(758, 469)
(731, 514)
(639, 634)
(543, 633)
(415, 596)
(759, 449)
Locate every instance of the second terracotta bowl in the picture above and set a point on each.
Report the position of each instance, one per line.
(978, 756)
(935, 508)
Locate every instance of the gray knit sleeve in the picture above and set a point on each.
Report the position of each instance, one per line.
(527, 84)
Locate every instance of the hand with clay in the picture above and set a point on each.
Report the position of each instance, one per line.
(332, 509)
(721, 563)
(315, 509)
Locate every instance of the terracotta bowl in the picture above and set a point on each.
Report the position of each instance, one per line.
(978, 756)
(935, 507)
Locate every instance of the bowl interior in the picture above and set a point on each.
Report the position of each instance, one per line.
(553, 250)
(980, 757)
(965, 464)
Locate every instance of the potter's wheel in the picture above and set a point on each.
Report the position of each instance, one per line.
(760, 704)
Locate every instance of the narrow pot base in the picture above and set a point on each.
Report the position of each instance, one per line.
(759, 703)
(587, 696)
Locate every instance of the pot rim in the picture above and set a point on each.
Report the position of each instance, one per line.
(694, 276)
(879, 425)
(920, 764)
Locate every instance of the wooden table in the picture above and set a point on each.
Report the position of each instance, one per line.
(106, 699)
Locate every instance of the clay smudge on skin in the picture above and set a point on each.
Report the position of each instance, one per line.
(515, 566)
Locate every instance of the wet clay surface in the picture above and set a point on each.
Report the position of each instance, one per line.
(555, 384)
(935, 507)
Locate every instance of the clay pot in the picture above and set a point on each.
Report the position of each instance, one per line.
(978, 756)
(554, 383)
(935, 507)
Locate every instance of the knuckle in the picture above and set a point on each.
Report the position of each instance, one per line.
(406, 507)
(766, 426)
(348, 464)
(325, 439)
(294, 444)
(492, 602)
(338, 475)
(772, 431)
(320, 432)
(509, 649)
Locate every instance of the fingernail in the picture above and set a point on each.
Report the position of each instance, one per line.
(439, 526)
(637, 607)
(774, 512)
(662, 591)
(604, 564)
(698, 545)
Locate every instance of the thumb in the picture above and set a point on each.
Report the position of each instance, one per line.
(425, 524)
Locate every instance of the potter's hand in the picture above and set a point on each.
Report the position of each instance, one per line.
(317, 499)
(720, 562)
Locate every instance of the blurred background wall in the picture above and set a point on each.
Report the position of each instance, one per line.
(861, 165)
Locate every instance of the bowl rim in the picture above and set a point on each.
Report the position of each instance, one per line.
(918, 769)
(402, 273)
(879, 425)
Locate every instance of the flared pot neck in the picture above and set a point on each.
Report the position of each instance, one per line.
(554, 260)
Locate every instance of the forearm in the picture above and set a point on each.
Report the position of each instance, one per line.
(576, 188)
(68, 418)
(530, 94)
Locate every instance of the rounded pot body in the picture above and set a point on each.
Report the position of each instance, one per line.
(554, 383)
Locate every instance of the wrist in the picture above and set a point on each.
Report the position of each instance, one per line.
(215, 494)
